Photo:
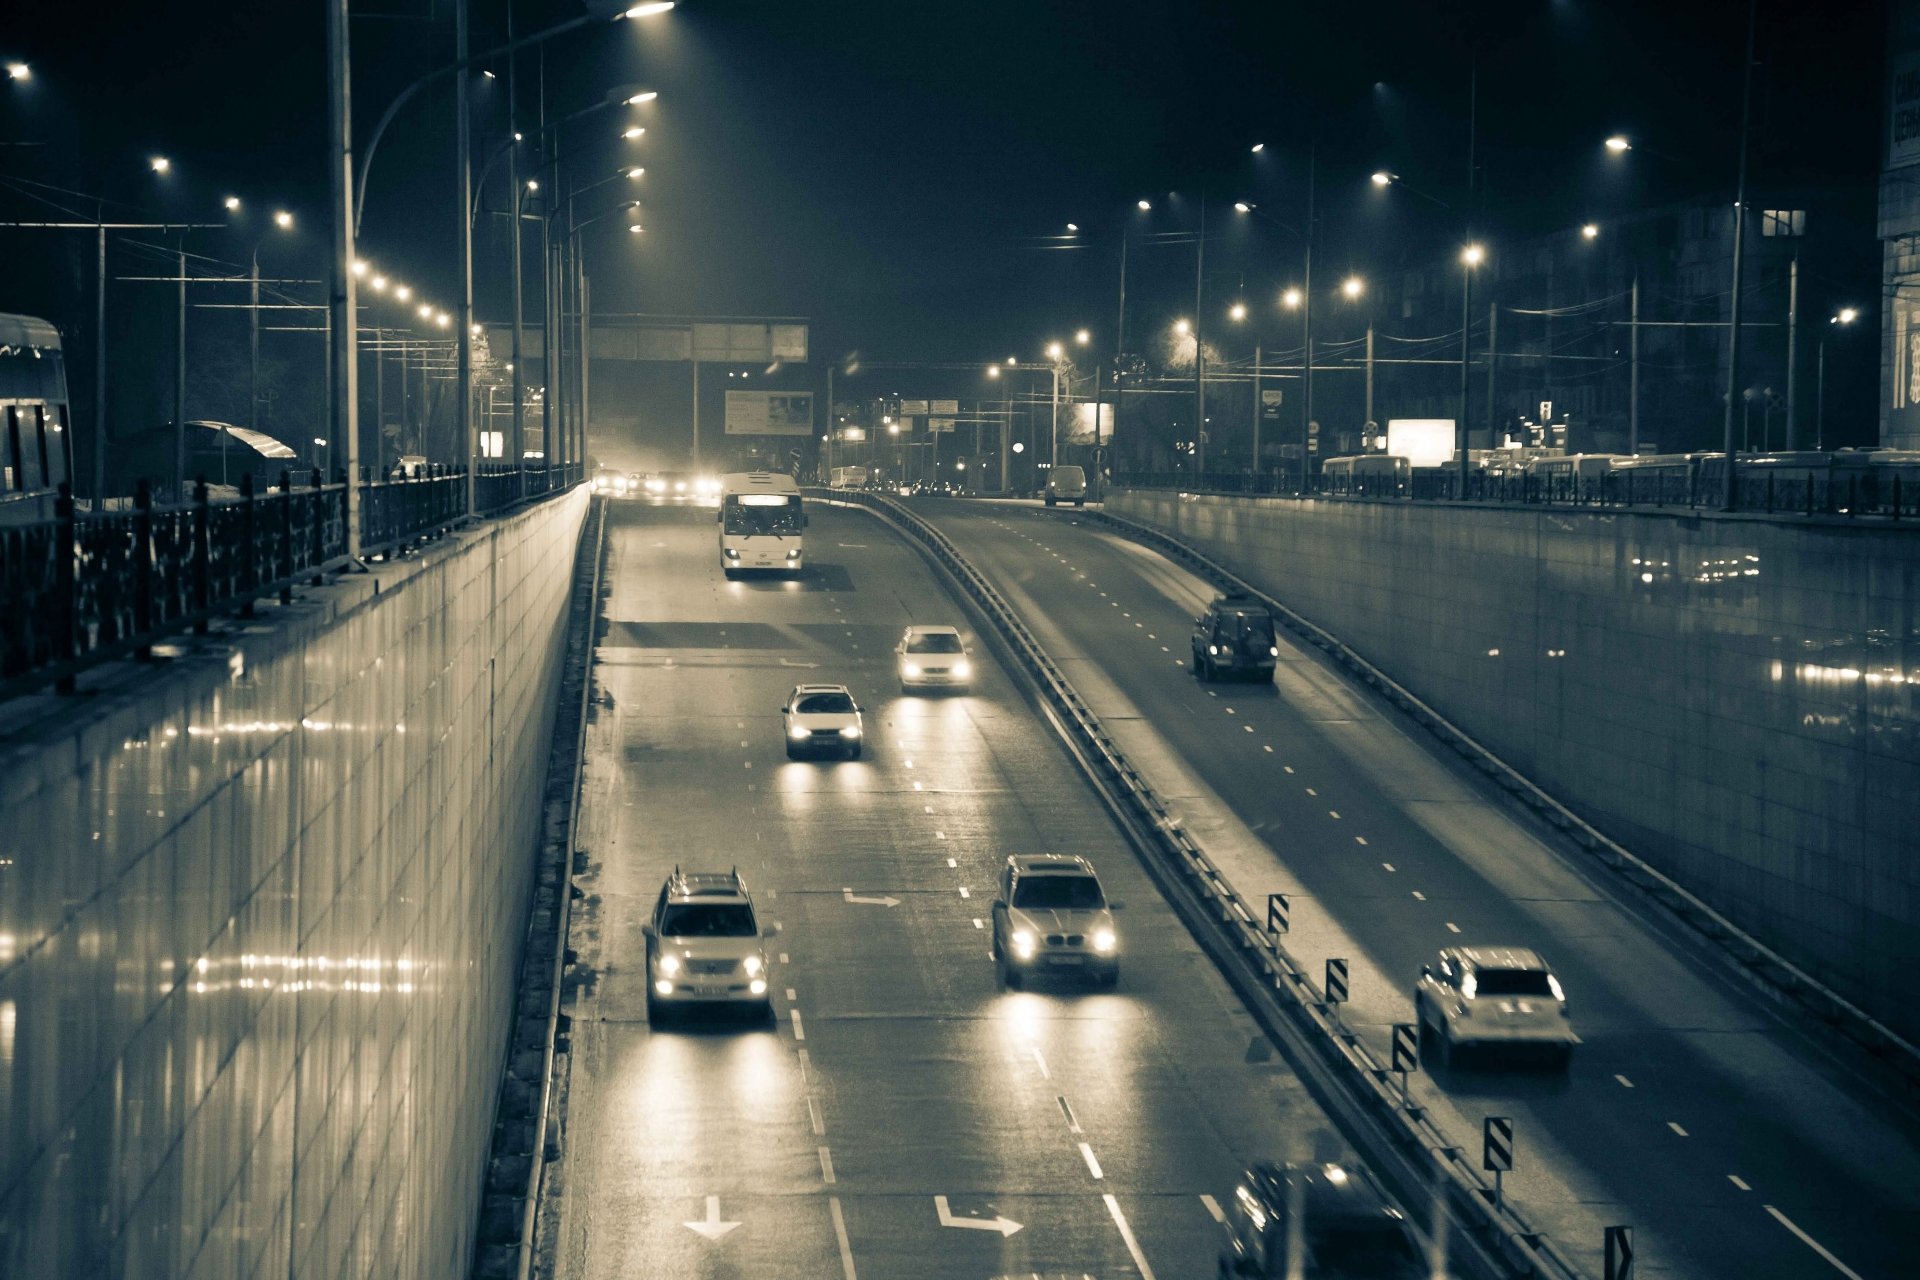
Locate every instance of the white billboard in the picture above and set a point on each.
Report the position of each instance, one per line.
(769, 413)
(1423, 442)
(1080, 423)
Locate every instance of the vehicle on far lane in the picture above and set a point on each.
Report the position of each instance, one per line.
(821, 718)
(1234, 637)
(1493, 997)
(761, 523)
(933, 658)
(1317, 1222)
(704, 945)
(1066, 484)
(1051, 916)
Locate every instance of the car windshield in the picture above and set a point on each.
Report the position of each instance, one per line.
(763, 517)
(938, 642)
(825, 703)
(709, 920)
(1511, 982)
(1059, 893)
(1256, 627)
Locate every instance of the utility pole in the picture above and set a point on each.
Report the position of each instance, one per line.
(1466, 355)
(1370, 417)
(180, 382)
(1793, 349)
(1256, 408)
(1306, 330)
(1199, 348)
(1493, 363)
(518, 438)
(1739, 256)
(1633, 369)
(463, 173)
(100, 369)
(344, 382)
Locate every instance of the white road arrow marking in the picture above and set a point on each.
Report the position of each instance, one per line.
(851, 896)
(1004, 1225)
(712, 1228)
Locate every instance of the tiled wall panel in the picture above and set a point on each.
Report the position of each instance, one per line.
(258, 914)
(1737, 700)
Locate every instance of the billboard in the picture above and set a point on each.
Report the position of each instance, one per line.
(1080, 424)
(1423, 442)
(769, 413)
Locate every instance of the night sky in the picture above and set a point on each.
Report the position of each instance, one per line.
(894, 171)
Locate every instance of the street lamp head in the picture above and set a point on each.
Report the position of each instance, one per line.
(1181, 327)
(402, 292)
(1083, 337)
(1055, 351)
(1590, 231)
(647, 95)
(1618, 144)
(519, 136)
(1381, 178)
(1258, 147)
(1238, 311)
(634, 228)
(1291, 298)
(359, 266)
(648, 10)
(635, 172)
(426, 312)
(379, 284)
(1241, 206)
(19, 71)
(1473, 255)
(1145, 205)
(532, 185)
(993, 371)
(489, 75)
(442, 319)
(320, 440)
(232, 204)
(635, 132)
(1847, 315)
(893, 428)
(1012, 360)
(283, 220)
(160, 164)
(1353, 287)
(1073, 226)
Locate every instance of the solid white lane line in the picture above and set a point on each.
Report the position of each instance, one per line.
(840, 1234)
(1093, 1166)
(813, 1117)
(826, 1166)
(1452, 927)
(1735, 1179)
(1044, 1073)
(1126, 1234)
(1073, 1126)
(1813, 1244)
(1624, 1082)
(799, 1027)
(1676, 1128)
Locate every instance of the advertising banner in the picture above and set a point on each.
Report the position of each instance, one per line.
(769, 413)
(1080, 423)
(1423, 442)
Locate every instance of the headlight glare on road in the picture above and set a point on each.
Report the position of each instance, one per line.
(851, 731)
(1104, 941)
(754, 965)
(669, 965)
(1023, 943)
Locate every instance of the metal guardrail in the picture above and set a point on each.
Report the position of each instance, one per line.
(1400, 1142)
(1780, 976)
(1757, 490)
(82, 589)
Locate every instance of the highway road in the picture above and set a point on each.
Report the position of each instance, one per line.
(1733, 1145)
(903, 1118)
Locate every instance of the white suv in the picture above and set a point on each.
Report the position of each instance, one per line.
(704, 945)
(818, 718)
(1493, 996)
(933, 658)
(1051, 916)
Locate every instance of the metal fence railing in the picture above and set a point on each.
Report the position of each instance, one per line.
(1894, 497)
(84, 588)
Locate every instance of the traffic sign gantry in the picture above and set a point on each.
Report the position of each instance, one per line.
(1336, 982)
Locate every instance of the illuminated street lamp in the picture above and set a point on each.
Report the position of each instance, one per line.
(635, 132)
(1471, 256)
(1144, 206)
(1238, 311)
(1055, 351)
(231, 204)
(1181, 327)
(1352, 287)
(19, 71)
(283, 220)
(1083, 337)
(402, 292)
(1839, 320)
(648, 9)
(1590, 231)
(160, 164)
(1618, 144)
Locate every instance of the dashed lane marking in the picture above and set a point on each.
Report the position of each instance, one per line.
(1419, 895)
(964, 893)
(1624, 1082)
(1387, 865)
(1360, 840)
(1093, 1165)
(1044, 1073)
(840, 1234)
(978, 923)
(1452, 927)
(813, 1117)
(1676, 1128)
(1213, 1209)
(826, 1166)
(1736, 1180)
(799, 1027)
(1334, 814)
(1066, 1109)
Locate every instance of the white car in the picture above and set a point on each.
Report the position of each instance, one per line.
(705, 945)
(933, 658)
(1051, 916)
(1505, 997)
(821, 718)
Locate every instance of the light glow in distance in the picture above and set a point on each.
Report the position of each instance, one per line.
(1473, 255)
(1083, 337)
(1590, 230)
(649, 9)
(231, 204)
(1238, 311)
(1381, 178)
(1144, 206)
(634, 132)
(1291, 298)
(1353, 286)
(635, 172)
(282, 219)
(1181, 326)
(1258, 147)
(647, 96)
(1055, 350)
(1618, 144)
(1847, 315)
(19, 71)
(402, 292)
(160, 164)
(1241, 206)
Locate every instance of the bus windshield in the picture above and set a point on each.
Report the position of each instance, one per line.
(761, 515)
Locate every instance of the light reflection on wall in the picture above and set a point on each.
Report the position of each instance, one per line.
(291, 975)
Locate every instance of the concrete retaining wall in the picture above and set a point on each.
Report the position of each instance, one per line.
(259, 912)
(1735, 699)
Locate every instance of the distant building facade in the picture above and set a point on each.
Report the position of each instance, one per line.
(1900, 233)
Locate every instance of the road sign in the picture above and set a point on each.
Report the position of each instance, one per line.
(1336, 981)
(1497, 1147)
(913, 408)
(999, 1222)
(712, 1228)
(946, 408)
(1619, 1253)
(1406, 1048)
(940, 425)
(1277, 913)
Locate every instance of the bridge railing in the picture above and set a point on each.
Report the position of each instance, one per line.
(1756, 490)
(86, 588)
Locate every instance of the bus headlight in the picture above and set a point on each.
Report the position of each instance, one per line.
(794, 554)
(731, 554)
(1273, 651)
(664, 987)
(758, 986)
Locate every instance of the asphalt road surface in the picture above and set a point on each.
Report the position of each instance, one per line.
(1730, 1143)
(903, 1118)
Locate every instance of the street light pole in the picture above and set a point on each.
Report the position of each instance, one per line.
(1199, 349)
(1306, 329)
(1739, 256)
(1466, 353)
(463, 310)
(344, 381)
(519, 364)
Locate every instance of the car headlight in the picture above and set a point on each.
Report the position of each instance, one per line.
(794, 554)
(758, 986)
(1553, 985)
(1023, 943)
(1273, 651)
(851, 731)
(1213, 650)
(731, 554)
(910, 668)
(669, 965)
(664, 987)
(1104, 941)
(962, 670)
(797, 732)
(754, 965)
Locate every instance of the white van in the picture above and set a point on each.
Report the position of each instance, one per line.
(1067, 484)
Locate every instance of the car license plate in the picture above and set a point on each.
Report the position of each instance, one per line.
(1065, 959)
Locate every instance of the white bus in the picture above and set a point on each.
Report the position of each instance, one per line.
(760, 523)
(849, 478)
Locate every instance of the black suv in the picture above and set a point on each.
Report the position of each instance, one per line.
(1320, 1221)
(1234, 637)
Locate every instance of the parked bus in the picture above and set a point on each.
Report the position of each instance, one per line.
(761, 523)
(1369, 475)
(848, 478)
(36, 435)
